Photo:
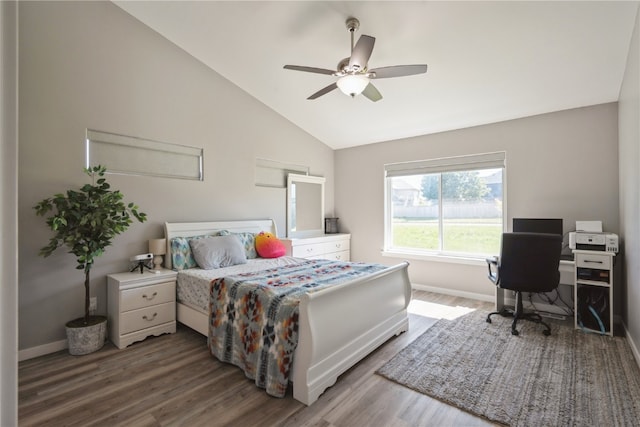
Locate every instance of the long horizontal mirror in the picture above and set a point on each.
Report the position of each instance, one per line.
(305, 205)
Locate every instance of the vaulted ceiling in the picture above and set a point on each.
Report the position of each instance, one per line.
(487, 61)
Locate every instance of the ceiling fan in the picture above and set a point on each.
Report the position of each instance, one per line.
(354, 73)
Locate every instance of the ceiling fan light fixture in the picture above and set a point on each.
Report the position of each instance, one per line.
(353, 84)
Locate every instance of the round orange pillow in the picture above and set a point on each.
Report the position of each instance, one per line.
(268, 245)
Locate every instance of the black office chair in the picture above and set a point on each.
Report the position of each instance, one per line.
(528, 262)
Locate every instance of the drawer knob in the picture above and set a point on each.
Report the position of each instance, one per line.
(593, 262)
(149, 319)
(338, 245)
(149, 298)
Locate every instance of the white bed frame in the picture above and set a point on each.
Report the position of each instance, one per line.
(338, 326)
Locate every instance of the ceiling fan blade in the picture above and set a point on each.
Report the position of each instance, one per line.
(324, 91)
(398, 71)
(372, 93)
(309, 69)
(361, 52)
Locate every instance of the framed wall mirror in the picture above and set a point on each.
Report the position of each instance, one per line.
(305, 205)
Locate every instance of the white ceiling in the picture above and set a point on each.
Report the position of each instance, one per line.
(488, 61)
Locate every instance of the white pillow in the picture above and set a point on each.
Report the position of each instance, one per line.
(218, 251)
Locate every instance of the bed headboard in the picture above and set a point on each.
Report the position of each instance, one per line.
(186, 229)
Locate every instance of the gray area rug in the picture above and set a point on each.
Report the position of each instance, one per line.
(567, 379)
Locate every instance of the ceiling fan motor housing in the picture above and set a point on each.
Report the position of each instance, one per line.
(343, 65)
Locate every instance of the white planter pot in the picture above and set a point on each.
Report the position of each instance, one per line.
(86, 339)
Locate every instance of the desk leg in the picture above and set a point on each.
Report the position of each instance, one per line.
(499, 298)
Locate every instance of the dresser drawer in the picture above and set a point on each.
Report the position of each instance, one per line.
(307, 251)
(337, 256)
(146, 296)
(335, 246)
(327, 246)
(601, 262)
(143, 318)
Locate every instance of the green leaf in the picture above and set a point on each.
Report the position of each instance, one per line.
(86, 220)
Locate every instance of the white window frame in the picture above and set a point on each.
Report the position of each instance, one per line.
(470, 162)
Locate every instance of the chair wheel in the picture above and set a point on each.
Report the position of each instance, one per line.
(514, 332)
(546, 333)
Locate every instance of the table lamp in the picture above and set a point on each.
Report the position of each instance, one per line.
(157, 247)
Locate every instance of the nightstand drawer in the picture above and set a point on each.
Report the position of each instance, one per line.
(146, 296)
(143, 318)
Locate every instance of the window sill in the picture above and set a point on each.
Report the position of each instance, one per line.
(408, 255)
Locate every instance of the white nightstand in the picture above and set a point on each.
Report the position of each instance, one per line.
(327, 246)
(141, 305)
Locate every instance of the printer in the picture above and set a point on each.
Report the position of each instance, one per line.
(589, 236)
(603, 242)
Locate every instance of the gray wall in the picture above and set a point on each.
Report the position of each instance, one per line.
(629, 122)
(562, 164)
(8, 214)
(91, 65)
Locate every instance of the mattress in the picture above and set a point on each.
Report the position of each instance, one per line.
(193, 283)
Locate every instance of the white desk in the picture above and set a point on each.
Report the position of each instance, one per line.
(567, 277)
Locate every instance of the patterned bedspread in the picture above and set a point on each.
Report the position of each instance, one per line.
(254, 316)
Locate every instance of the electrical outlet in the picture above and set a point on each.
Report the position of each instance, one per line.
(93, 303)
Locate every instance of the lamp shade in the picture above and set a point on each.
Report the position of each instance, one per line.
(158, 246)
(352, 84)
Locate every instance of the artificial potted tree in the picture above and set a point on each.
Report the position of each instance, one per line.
(86, 221)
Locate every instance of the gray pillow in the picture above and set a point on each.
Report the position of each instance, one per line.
(217, 252)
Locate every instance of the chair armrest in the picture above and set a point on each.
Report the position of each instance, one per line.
(493, 260)
(494, 273)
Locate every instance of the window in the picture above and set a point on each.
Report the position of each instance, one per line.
(449, 206)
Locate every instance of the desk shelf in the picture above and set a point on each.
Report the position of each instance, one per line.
(593, 283)
(593, 299)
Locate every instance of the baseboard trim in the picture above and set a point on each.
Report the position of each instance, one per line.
(454, 292)
(41, 350)
(632, 344)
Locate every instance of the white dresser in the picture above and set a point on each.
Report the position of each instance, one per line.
(326, 246)
(140, 305)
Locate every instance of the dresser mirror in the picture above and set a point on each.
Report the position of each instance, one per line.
(305, 205)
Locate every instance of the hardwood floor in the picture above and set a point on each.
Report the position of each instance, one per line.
(172, 380)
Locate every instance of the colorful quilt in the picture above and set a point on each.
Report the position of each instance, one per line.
(253, 317)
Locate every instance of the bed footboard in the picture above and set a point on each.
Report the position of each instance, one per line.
(340, 325)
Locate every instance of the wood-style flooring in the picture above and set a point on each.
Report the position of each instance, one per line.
(172, 380)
